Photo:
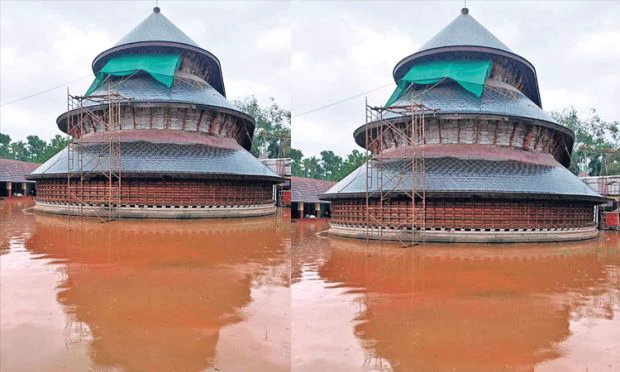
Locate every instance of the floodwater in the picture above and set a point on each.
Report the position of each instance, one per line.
(265, 295)
(79, 295)
(373, 307)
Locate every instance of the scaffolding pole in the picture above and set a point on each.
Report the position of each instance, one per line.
(94, 170)
(402, 126)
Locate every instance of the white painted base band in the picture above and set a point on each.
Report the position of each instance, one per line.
(469, 236)
(166, 212)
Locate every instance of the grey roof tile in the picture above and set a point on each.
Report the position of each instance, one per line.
(497, 98)
(473, 176)
(307, 190)
(144, 88)
(156, 27)
(464, 30)
(15, 170)
(145, 158)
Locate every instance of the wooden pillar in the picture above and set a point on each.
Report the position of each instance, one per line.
(24, 188)
(317, 208)
(9, 188)
(300, 208)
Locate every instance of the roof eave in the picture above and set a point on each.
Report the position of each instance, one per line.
(193, 175)
(482, 194)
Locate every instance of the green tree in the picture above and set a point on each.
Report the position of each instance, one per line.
(36, 148)
(331, 164)
(272, 135)
(329, 167)
(312, 168)
(19, 151)
(595, 151)
(296, 169)
(5, 141)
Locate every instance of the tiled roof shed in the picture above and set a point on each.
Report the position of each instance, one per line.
(307, 190)
(16, 170)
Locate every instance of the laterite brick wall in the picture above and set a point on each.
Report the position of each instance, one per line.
(160, 192)
(467, 214)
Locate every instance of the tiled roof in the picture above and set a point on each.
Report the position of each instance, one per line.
(307, 190)
(470, 176)
(15, 170)
(144, 88)
(145, 158)
(156, 27)
(464, 30)
(497, 98)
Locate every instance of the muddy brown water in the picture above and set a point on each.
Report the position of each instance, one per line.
(137, 295)
(366, 306)
(266, 295)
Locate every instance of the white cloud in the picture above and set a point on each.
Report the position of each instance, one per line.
(343, 48)
(48, 43)
(275, 38)
(601, 44)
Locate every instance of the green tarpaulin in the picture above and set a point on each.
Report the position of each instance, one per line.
(470, 74)
(160, 66)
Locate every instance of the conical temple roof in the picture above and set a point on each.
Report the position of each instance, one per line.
(464, 30)
(466, 37)
(157, 34)
(156, 27)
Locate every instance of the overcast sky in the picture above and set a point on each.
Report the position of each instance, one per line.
(306, 54)
(345, 48)
(44, 44)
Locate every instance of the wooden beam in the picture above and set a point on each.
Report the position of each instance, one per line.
(199, 120)
(512, 136)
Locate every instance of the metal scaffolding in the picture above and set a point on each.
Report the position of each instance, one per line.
(94, 169)
(386, 175)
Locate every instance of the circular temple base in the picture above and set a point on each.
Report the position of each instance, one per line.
(469, 236)
(167, 212)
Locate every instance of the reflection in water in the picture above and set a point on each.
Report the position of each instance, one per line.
(448, 306)
(194, 295)
(147, 295)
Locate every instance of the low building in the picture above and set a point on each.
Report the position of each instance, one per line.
(12, 181)
(608, 214)
(282, 191)
(605, 185)
(305, 201)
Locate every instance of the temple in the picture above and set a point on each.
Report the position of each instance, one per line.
(155, 137)
(463, 152)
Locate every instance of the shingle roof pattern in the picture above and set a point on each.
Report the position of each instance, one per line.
(143, 88)
(464, 30)
(497, 98)
(156, 27)
(164, 159)
(15, 170)
(307, 190)
(473, 176)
